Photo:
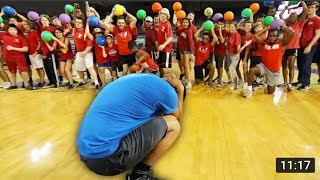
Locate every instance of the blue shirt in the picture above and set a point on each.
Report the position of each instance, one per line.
(121, 107)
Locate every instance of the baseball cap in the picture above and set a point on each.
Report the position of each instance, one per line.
(148, 18)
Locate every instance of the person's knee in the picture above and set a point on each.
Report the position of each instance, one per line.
(172, 123)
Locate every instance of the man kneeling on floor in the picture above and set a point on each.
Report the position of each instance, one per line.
(131, 124)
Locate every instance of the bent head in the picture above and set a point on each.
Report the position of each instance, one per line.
(273, 36)
(133, 46)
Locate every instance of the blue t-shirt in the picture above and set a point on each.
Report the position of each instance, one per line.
(121, 107)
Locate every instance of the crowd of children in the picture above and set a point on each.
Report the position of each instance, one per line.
(259, 48)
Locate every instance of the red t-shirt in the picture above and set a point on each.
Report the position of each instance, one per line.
(80, 39)
(233, 41)
(112, 52)
(33, 39)
(164, 32)
(221, 48)
(185, 39)
(202, 52)
(297, 27)
(99, 55)
(148, 59)
(65, 54)
(309, 30)
(247, 37)
(272, 56)
(150, 39)
(258, 48)
(122, 39)
(17, 41)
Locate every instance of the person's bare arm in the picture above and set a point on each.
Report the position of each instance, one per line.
(176, 83)
(53, 47)
(174, 19)
(23, 49)
(313, 41)
(104, 54)
(64, 44)
(87, 8)
(215, 38)
(282, 12)
(245, 45)
(87, 31)
(196, 35)
(303, 15)
(107, 22)
(286, 39)
(259, 39)
(133, 19)
(20, 16)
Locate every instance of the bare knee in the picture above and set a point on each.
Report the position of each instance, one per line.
(172, 123)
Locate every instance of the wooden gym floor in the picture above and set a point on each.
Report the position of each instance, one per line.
(224, 136)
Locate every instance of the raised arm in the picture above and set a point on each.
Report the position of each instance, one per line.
(107, 22)
(174, 19)
(133, 19)
(196, 35)
(303, 15)
(64, 44)
(87, 31)
(282, 12)
(258, 37)
(215, 38)
(245, 45)
(288, 37)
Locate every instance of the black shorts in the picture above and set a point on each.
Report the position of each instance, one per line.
(128, 59)
(219, 61)
(291, 52)
(316, 57)
(152, 55)
(178, 57)
(117, 65)
(254, 60)
(28, 59)
(164, 60)
(198, 70)
(133, 149)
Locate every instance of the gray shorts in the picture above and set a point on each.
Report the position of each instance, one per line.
(133, 149)
(272, 77)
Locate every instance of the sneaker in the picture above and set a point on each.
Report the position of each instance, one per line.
(54, 86)
(6, 85)
(283, 84)
(184, 81)
(227, 82)
(233, 86)
(61, 83)
(181, 76)
(40, 84)
(245, 85)
(30, 88)
(12, 87)
(296, 84)
(188, 85)
(145, 175)
(31, 83)
(66, 84)
(82, 84)
(97, 86)
(71, 86)
(255, 83)
(289, 87)
(247, 93)
(216, 79)
(211, 86)
(76, 82)
(240, 81)
(219, 84)
(303, 87)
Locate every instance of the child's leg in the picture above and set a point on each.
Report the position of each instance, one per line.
(68, 71)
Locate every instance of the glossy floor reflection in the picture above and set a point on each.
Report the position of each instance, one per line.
(224, 136)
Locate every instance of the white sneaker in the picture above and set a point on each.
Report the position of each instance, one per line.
(233, 86)
(6, 85)
(188, 85)
(247, 93)
(245, 85)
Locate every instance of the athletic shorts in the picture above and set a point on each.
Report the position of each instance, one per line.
(291, 52)
(133, 149)
(198, 70)
(178, 57)
(14, 63)
(219, 61)
(36, 61)
(316, 57)
(152, 55)
(128, 59)
(84, 63)
(117, 65)
(255, 60)
(106, 64)
(272, 77)
(164, 60)
(184, 52)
